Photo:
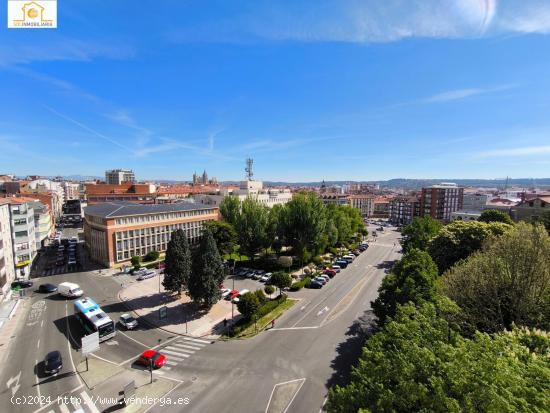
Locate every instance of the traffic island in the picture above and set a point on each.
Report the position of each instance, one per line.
(96, 371)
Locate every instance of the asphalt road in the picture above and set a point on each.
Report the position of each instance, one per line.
(289, 367)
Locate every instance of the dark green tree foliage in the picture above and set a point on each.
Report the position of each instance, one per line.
(459, 239)
(274, 230)
(177, 263)
(269, 289)
(281, 280)
(412, 279)
(507, 283)
(230, 209)
(151, 256)
(418, 233)
(248, 305)
(224, 234)
(252, 227)
(304, 220)
(492, 215)
(418, 364)
(135, 260)
(208, 272)
(545, 220)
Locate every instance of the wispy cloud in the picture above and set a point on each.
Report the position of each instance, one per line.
(511, 152)
(458, 94)
(361, 21)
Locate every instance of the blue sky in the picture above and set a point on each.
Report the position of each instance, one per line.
(345, 89)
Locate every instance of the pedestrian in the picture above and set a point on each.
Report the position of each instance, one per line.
(224, 322)
(272, 323)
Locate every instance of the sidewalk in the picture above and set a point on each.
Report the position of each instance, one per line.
(144, 299)
(9, 321)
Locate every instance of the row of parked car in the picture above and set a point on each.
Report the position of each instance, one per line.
(260, 275)
(339, 264)
(144, 273)
(232, 295)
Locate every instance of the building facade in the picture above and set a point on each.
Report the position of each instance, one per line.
(115, 232)
(531, 209)
(464, 215)
(249, 188)
(43, 224)
(7, 268)
(119, 176)
(138, 193)
(440, 201)
(364, 203)
(403, 210)
(474, 201)
(22, 234)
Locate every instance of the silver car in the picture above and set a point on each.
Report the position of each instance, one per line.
(128, 322)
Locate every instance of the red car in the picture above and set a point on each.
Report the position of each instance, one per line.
(158, 359)
(329, 272)
(232, 294)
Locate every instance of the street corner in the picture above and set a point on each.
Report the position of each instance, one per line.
(95, 371)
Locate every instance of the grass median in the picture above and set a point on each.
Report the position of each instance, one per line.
(249, 328)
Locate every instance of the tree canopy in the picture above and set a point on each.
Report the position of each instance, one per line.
(492, 215)
(281, 280)
(177, 263)
(507, 283)
(248, 305)
(419, 233)
(417, 363)
(224, 234)
(412, 279)
(230, 209)
(459, 239)
(251, 227)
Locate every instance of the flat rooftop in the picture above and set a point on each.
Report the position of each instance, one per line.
(123, 209)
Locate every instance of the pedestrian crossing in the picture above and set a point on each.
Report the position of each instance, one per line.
(75, 403)
(180, 350)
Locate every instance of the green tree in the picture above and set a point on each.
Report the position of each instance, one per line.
(419, 232)
(224, 234)
(411, 280)
(151, 256)
(178, 263)
(248, 305)
(269, 289)
(492, 215)
(135, 261)
(545, 220)
(274, 230)
(459, 239)
(252, 227)
(208, 272)
(414, 364)
(303, 222)
(230, 209)
(506, 283)
(281, 280)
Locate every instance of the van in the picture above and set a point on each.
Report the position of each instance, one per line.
(70, 290)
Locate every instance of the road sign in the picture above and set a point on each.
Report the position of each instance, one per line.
(129, 390)
(163, 312)
(90, 343)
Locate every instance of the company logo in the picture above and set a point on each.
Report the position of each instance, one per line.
(40, 14)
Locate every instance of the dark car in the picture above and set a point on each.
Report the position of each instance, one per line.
(314, 284)
(342, 263)
(53, 362)
(47, 288)
(21, 284)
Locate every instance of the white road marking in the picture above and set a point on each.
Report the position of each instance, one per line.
(293, 328)
(322, 311)
(281, 384)
(187, 346)
(76, 404)
(89, 402)
(158, 372)
(112, 342)
(133, 339)
(196, 340)
(42, 323)
(167, 368)
(64, 408)
(174, 354)
(171, 363)
(38, 344)
(38, 386)
(17, 385)
(69, 343)
(184, 350)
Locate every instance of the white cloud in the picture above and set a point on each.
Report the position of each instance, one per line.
(464, 93)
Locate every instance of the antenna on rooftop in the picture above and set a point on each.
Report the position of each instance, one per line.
(248, 169)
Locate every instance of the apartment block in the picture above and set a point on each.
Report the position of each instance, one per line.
(7, 268)
(119, 176)
(403, 210)
(440, 201)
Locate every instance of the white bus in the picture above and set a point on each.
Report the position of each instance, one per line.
(93, 318)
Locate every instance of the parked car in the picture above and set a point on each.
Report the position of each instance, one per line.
(320, 280)
(258, 274)
(21, 284)
(336, 268)
(225, 292)
(146, 275)
(324, 276)
(232, 294)
(53, 362)
(153, 357)
(342, 263)
(356, 252)
(314, 284)
(141, 271)
(329, 272)
(47, 288)
(128, 322)
(242, 292)
(266, 277)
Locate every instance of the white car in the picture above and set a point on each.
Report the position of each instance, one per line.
(147, 274)
(225, 292)
(128, 322)
(326, 277)
(266, 277)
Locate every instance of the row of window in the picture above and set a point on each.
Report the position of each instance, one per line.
(157, 230)
(137, 219)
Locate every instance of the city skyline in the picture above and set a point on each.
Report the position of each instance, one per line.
(345, 91)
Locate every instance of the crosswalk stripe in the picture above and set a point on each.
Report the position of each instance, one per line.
(159, 372)
(171, 363)
(175, 355)
(88, 400)
(167, 368)
(50, 411)
(64, 409)
(185, 350)
(187, 346)
(76, 404)
(196, 340)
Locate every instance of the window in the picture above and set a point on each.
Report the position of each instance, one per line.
(20, 221)
(21, 234)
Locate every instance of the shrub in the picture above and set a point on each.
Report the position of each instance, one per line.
(269, 289)
(135, 260)
(151, 256)
(261, 296)
(317, 260)
(300, 284)
(248, 305)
